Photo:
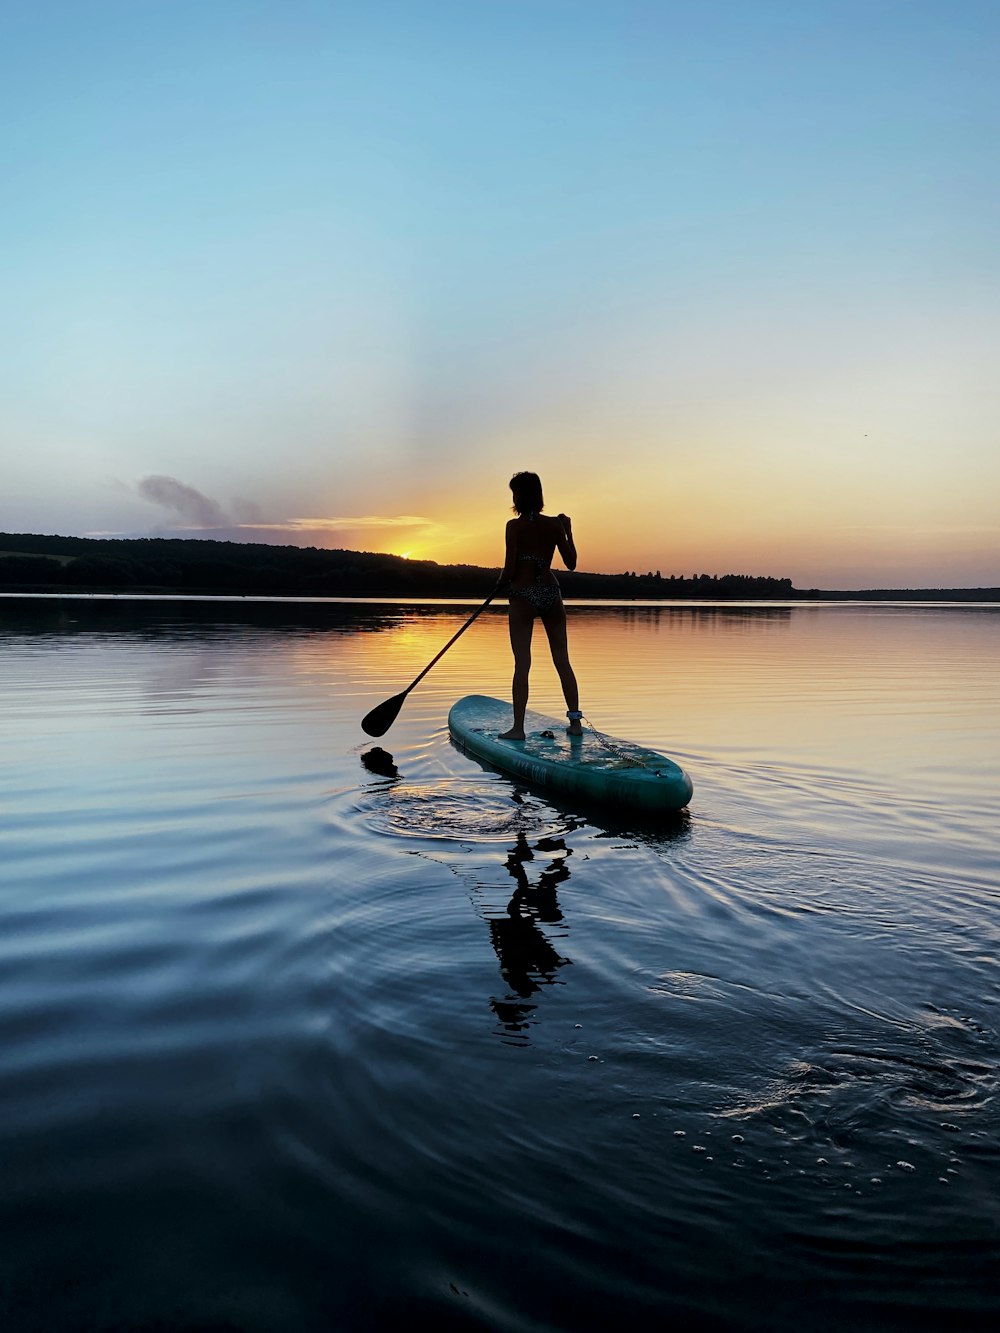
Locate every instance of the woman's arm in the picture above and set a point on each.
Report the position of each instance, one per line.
(510, 557)
(567, 547)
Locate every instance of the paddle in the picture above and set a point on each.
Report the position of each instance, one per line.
(381, 718)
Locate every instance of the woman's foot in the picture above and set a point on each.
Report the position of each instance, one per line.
(574, 729)
(515, 734)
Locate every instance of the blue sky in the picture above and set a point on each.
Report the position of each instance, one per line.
(725, 274)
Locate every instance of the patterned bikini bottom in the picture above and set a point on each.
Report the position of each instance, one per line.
(542, 596)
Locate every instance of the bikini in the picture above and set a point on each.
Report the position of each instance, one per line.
(542, 596)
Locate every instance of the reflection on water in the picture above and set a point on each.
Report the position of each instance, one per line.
(305, 1032)
(527, 959)
(380, 762)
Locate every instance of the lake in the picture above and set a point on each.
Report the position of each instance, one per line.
(304, 1031)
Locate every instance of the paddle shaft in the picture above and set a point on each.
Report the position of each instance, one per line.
(381, 718)
(458, 635)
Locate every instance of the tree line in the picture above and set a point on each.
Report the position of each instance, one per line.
(31, 562)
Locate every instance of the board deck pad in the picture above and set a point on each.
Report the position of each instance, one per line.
(601, 769)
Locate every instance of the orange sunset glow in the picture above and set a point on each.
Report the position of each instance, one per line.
(728, 281)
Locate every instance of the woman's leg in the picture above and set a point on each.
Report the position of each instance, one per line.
(554, 621)
(520, 622)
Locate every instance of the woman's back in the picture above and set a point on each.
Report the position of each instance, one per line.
(537, 538)
(538, 535)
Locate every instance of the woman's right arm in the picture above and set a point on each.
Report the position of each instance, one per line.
(567, 547)
(510, 555)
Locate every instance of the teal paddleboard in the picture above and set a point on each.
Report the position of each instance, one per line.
(597, 768)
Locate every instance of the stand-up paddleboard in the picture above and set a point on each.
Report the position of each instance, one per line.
(598, 768)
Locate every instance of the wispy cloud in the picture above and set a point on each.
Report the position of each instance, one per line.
(193, 511)
(347, 521)
(191, 506)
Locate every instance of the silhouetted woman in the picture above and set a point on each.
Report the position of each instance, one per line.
(532, 540)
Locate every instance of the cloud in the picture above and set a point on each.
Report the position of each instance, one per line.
(340, 523)
(195, 509)
(246, 512)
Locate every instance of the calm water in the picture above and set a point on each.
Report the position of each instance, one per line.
(296, 1036)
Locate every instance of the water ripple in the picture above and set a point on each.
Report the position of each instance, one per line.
(453, 810)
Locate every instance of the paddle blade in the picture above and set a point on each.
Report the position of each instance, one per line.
(380, 719)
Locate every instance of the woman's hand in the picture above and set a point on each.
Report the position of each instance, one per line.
(566, 521)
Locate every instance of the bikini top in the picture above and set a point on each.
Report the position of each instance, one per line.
(540, 566)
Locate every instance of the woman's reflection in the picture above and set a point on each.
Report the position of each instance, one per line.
(527, 959)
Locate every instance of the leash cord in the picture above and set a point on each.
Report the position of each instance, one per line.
(610, 745)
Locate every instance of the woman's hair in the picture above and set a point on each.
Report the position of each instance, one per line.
(527, 490)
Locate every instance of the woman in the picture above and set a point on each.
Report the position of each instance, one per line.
(532, 539)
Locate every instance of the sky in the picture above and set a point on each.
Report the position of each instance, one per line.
(725, 273)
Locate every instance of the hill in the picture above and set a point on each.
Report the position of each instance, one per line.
(30, 562)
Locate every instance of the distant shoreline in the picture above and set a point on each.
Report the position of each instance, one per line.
(33, 564)
(902, 595)
(48, 595)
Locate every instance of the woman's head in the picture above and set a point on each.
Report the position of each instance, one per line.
(527, 491)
